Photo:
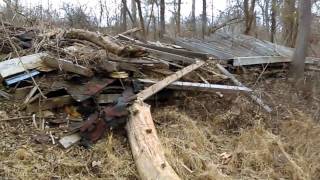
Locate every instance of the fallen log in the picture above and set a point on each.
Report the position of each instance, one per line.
(104, 42)
(67, 66)
(250, 94)
(146, 147)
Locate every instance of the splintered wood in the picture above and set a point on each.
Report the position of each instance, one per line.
(146, 147)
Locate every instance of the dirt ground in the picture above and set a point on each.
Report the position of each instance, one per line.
(204, 136)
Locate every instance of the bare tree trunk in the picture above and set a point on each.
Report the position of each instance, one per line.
(249, 15)
(162, 18)
(141, 19)
(266, 14)
(179, 18)
(154, 27)
(193, 18)
(204, 18)
(100, 12)
(134, 13)
(300, 53)
(289, 23)
(273, 20)
(151, 16)
(124, 16)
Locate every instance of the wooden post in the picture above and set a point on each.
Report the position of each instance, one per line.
(145, 145)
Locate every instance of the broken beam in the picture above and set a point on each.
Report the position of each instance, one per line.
(250, 94)
(146, 93)
(145, 145)
(200, 86)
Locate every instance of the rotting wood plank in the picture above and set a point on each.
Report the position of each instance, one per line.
(146, 93)
(238, 83)
(20, 64)
(206, 87)
(145, 145)
(67, 66)
(254, 60)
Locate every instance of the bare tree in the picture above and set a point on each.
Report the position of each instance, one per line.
(249, 15)
(124, 15)
(193, 17)
(134, 13)
(179, 18)
(289, 18)
(300, 53)
(273, 20)
(141, 18)
(264, 6)
(101, 11)
(151, 16)
(204, 18)
(162, 18)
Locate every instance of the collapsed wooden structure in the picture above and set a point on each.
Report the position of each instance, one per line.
(103, 81)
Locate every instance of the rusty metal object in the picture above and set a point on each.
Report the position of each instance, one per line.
(81, 92)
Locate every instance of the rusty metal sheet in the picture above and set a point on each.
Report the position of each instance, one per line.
(81, 92)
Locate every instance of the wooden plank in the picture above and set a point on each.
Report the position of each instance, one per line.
(254, 60)
(145, 145)
(18, 65)
(67, 66)
(146, 93)
(178, 85)
(250, 94)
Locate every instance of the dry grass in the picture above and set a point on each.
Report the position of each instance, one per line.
(204, 137)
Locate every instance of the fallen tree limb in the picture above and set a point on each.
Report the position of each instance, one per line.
(103, 42)
(67, 66)
(238, 83)
(146, 147)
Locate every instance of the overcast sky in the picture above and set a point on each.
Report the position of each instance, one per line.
(219, 5)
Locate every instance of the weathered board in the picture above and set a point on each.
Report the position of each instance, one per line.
(18, 65)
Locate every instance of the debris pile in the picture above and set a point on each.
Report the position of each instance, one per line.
(76, 85)
(83, 82)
